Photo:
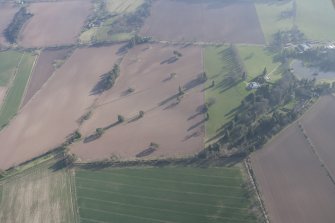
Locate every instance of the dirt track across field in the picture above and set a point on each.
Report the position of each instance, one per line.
(209, 21)
(178, 129)
(43, 71)
(7, 12)
(53, 113)
(293, 184)
(54, 23)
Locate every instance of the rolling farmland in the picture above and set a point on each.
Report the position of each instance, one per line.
(175, 123)
(163, 195)
(41, 125)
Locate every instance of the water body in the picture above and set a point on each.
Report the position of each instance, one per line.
(302, 71)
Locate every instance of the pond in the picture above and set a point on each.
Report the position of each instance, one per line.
(302, 71)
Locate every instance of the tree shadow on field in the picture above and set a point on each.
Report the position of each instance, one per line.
(197, 124)
(194, 83)
(170, 60)
(146, 152)
(168, 99)
(199, 111)
(101, 86)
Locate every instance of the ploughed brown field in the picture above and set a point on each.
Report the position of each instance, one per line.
(43, 70)
(198, 20)
(54, 23)
(292, 179)
(319, 125)
(178, 128)
(7, 12)
(54, 110)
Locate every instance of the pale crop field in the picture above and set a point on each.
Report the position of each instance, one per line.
(38, 195)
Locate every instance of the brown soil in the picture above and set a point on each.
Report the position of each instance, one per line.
(53, 113)
(7, 12)
(54, 23)
(209, 21)
(293, 184)
(43, 71)
(177, 128)
(319, 125)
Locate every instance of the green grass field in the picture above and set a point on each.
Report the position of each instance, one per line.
(255, 59)
(38, 195)
(219, 65)
(8, 63)
(13, 99)
(269, 14)
(123, 6)
(316, 19)
(171, 194)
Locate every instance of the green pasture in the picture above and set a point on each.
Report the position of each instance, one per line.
(8, 63)
(255, 59)
(171, 194)
(219, 66)
(13, 99)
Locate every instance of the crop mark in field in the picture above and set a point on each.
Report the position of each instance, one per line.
(172, 181)
(167, 200)
(160, 190)
(162, 209)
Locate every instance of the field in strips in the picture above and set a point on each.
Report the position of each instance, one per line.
(175, 195)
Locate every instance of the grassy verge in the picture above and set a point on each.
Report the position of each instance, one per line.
(8, 63)
(220, 65)
(13, 99)
(171, 194)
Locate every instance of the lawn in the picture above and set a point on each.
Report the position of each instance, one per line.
(219, 64)
(316, 19)
(271, 17)
(171, 194)
(255, 59)
(38, 195)
(8, 63)
(13, 99)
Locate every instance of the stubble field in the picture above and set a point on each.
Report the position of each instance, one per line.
(38, 195)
